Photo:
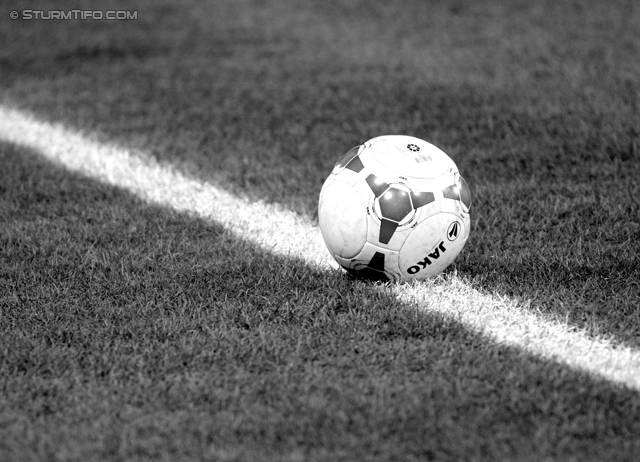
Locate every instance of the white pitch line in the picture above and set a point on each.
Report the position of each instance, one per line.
(508, 322)
(503, 320)
(269, 226)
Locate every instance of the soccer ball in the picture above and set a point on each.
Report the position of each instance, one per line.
(395, 208)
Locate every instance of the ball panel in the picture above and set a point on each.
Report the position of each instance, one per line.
(422, 198)
(346, 158)
(342, 215)
(374, 263)
(433, 245)
(387, 228)
(407, 155)
(355, 164)
(373, 270)
(395, 204)
(377, 185)
(465, 193)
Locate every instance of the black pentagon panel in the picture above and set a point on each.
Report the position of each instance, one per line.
(395, 204)
(346, 158)
(355, 164)
(375, 269)
(387, 228)
(420, 199)
(465, 194)
(377, 186)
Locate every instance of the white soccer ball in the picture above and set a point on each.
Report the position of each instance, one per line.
(395, 208)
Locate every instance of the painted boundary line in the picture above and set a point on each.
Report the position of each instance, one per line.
(284, 233)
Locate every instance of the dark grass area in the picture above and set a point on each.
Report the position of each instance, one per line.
(147, 333)
(136, 333)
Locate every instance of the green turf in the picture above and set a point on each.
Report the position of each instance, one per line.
(129, 331)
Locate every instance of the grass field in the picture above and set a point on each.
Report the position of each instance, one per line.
(165, 295)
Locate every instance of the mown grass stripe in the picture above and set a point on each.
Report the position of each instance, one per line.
(282, 232)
